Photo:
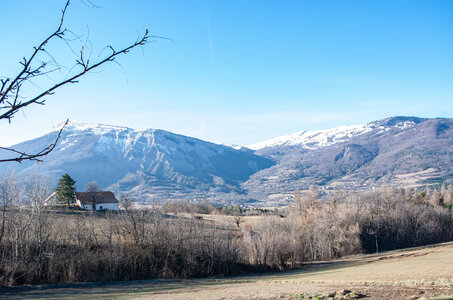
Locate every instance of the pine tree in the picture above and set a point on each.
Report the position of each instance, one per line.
(65, 191)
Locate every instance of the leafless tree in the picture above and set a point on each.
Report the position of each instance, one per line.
(238, 219)
(297, 205)
(93, 189)
(9, 193)
(301, 202)
(12, 98)
(40, 246)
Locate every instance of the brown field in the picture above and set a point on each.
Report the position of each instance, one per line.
(425, 273)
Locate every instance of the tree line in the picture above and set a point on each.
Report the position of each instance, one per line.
(40, 244)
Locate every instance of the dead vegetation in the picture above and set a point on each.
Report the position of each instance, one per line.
(416, 273)
(38, 245)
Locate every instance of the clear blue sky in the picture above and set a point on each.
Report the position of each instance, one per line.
(241, 71)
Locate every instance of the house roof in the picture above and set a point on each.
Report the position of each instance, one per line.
(100, 197)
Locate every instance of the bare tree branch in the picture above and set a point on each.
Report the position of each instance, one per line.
(85, 68)
(36, 156)
(27, 71)
(11, 94)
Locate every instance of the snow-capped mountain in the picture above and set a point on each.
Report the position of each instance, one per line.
(156, 165)
(397, 151)
(323, 138)
(151, 164)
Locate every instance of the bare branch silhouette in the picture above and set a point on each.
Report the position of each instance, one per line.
(12, 99)
(36, 156)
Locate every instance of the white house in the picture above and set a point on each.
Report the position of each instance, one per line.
(103, 200)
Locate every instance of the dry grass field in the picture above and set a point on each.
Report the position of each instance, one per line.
(418, 273)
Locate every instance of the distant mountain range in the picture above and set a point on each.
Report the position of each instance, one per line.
(156, 165)
(397, 151)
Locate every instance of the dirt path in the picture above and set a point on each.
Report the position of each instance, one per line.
(415, 273)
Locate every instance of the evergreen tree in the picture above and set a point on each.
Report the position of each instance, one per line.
(65, 191)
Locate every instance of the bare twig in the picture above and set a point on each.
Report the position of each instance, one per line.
(28, 72)
(85, 68)
(34, 157)
(11, 94)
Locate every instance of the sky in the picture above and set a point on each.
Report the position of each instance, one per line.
(236, 72)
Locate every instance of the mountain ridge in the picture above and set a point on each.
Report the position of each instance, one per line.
(325, 137)
(157, 165)
(163, 164)
(392, 153)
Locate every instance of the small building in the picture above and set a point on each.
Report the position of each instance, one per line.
(104, 200)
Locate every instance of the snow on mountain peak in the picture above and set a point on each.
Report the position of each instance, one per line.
(306, 139)
(322, 138)
(314, 139)
(96, 128)
(236, 147)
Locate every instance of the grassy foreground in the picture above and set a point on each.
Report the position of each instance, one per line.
(425, 272)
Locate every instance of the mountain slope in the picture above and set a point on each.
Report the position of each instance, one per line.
(151, 164)
(323, 138)
(397, 151)
(156, 165)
